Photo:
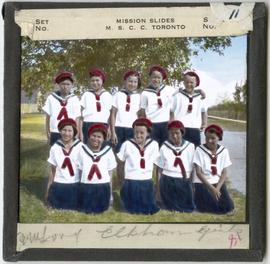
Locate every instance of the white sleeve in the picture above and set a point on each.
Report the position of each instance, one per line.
(109, 101)
(156, 153)
(77, 107)
(47, 106)
(203, 106)
(173, 103)
(227, 161)
(83, 100)
(197, 158)
(51, 158)
(122, 153)
(79, 160)
(115, 100)
(111, 160)
(160, 160)
(144, 101)
(173, 90)
(192, 149)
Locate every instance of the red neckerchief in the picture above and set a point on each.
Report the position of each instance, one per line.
(63, 112)
(159, 101)
(97, 97)
(178, 161)
(128, 103)
(94, 168)
(213, 158)
(67, 162)
(190, 99)
(63, 102)
(157, 92)
(128, 100)
(141, 151)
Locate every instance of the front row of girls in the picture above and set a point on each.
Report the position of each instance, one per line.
(81, 173)
(157, 102)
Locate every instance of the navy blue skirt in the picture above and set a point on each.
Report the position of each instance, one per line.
(123, 134)
(193, 135)
(160, 132)
(54, 137)
(176, 194)
(205, 202)
(94, 198)
(63, 196)
(138, 197)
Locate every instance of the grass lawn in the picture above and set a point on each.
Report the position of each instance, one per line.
(228, 125)
(33, 181)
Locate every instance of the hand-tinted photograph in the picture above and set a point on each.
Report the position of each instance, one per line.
(133, 130)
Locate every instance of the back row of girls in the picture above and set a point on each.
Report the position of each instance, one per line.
(81, 173)
(157, 102)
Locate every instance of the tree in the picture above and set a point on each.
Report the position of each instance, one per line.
(236, 108)
(240, 94)
(42, 60)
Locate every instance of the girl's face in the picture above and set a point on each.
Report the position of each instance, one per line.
(96, 139)
(156, 79)
(189, 83)
(65, 87)
(211, 140)
(67, 134)
(140, 134)
(175, 135)
(96, 83)
(131, 83)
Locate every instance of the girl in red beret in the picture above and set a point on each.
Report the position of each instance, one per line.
(61, 104)
(96, 103)
(156, 102)
(126, 104)
(188, 106)
(176, 168)
(63, 183)
(211, 162)
(96, 163)
(138, 155)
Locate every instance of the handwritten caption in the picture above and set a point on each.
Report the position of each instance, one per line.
(228, 236)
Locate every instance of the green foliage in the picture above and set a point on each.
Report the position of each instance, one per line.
(217, 44)
(33, 182)
(42, 60)
(235, 109)
(32, 210)
(240, 94)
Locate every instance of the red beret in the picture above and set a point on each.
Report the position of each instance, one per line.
(193, 74)
(97, 72)
(215, 129)
(143, 122)
(64, 75)
(131, 73)
(176, 124)
(98, 127)
(159, 69)
(68, 122)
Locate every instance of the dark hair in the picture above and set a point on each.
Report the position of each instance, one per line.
(66, 78)
(148, 128)
(75, 131)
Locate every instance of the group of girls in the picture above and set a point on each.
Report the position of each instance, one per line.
(154, 132)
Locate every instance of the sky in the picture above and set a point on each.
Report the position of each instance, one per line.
(219, 74)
